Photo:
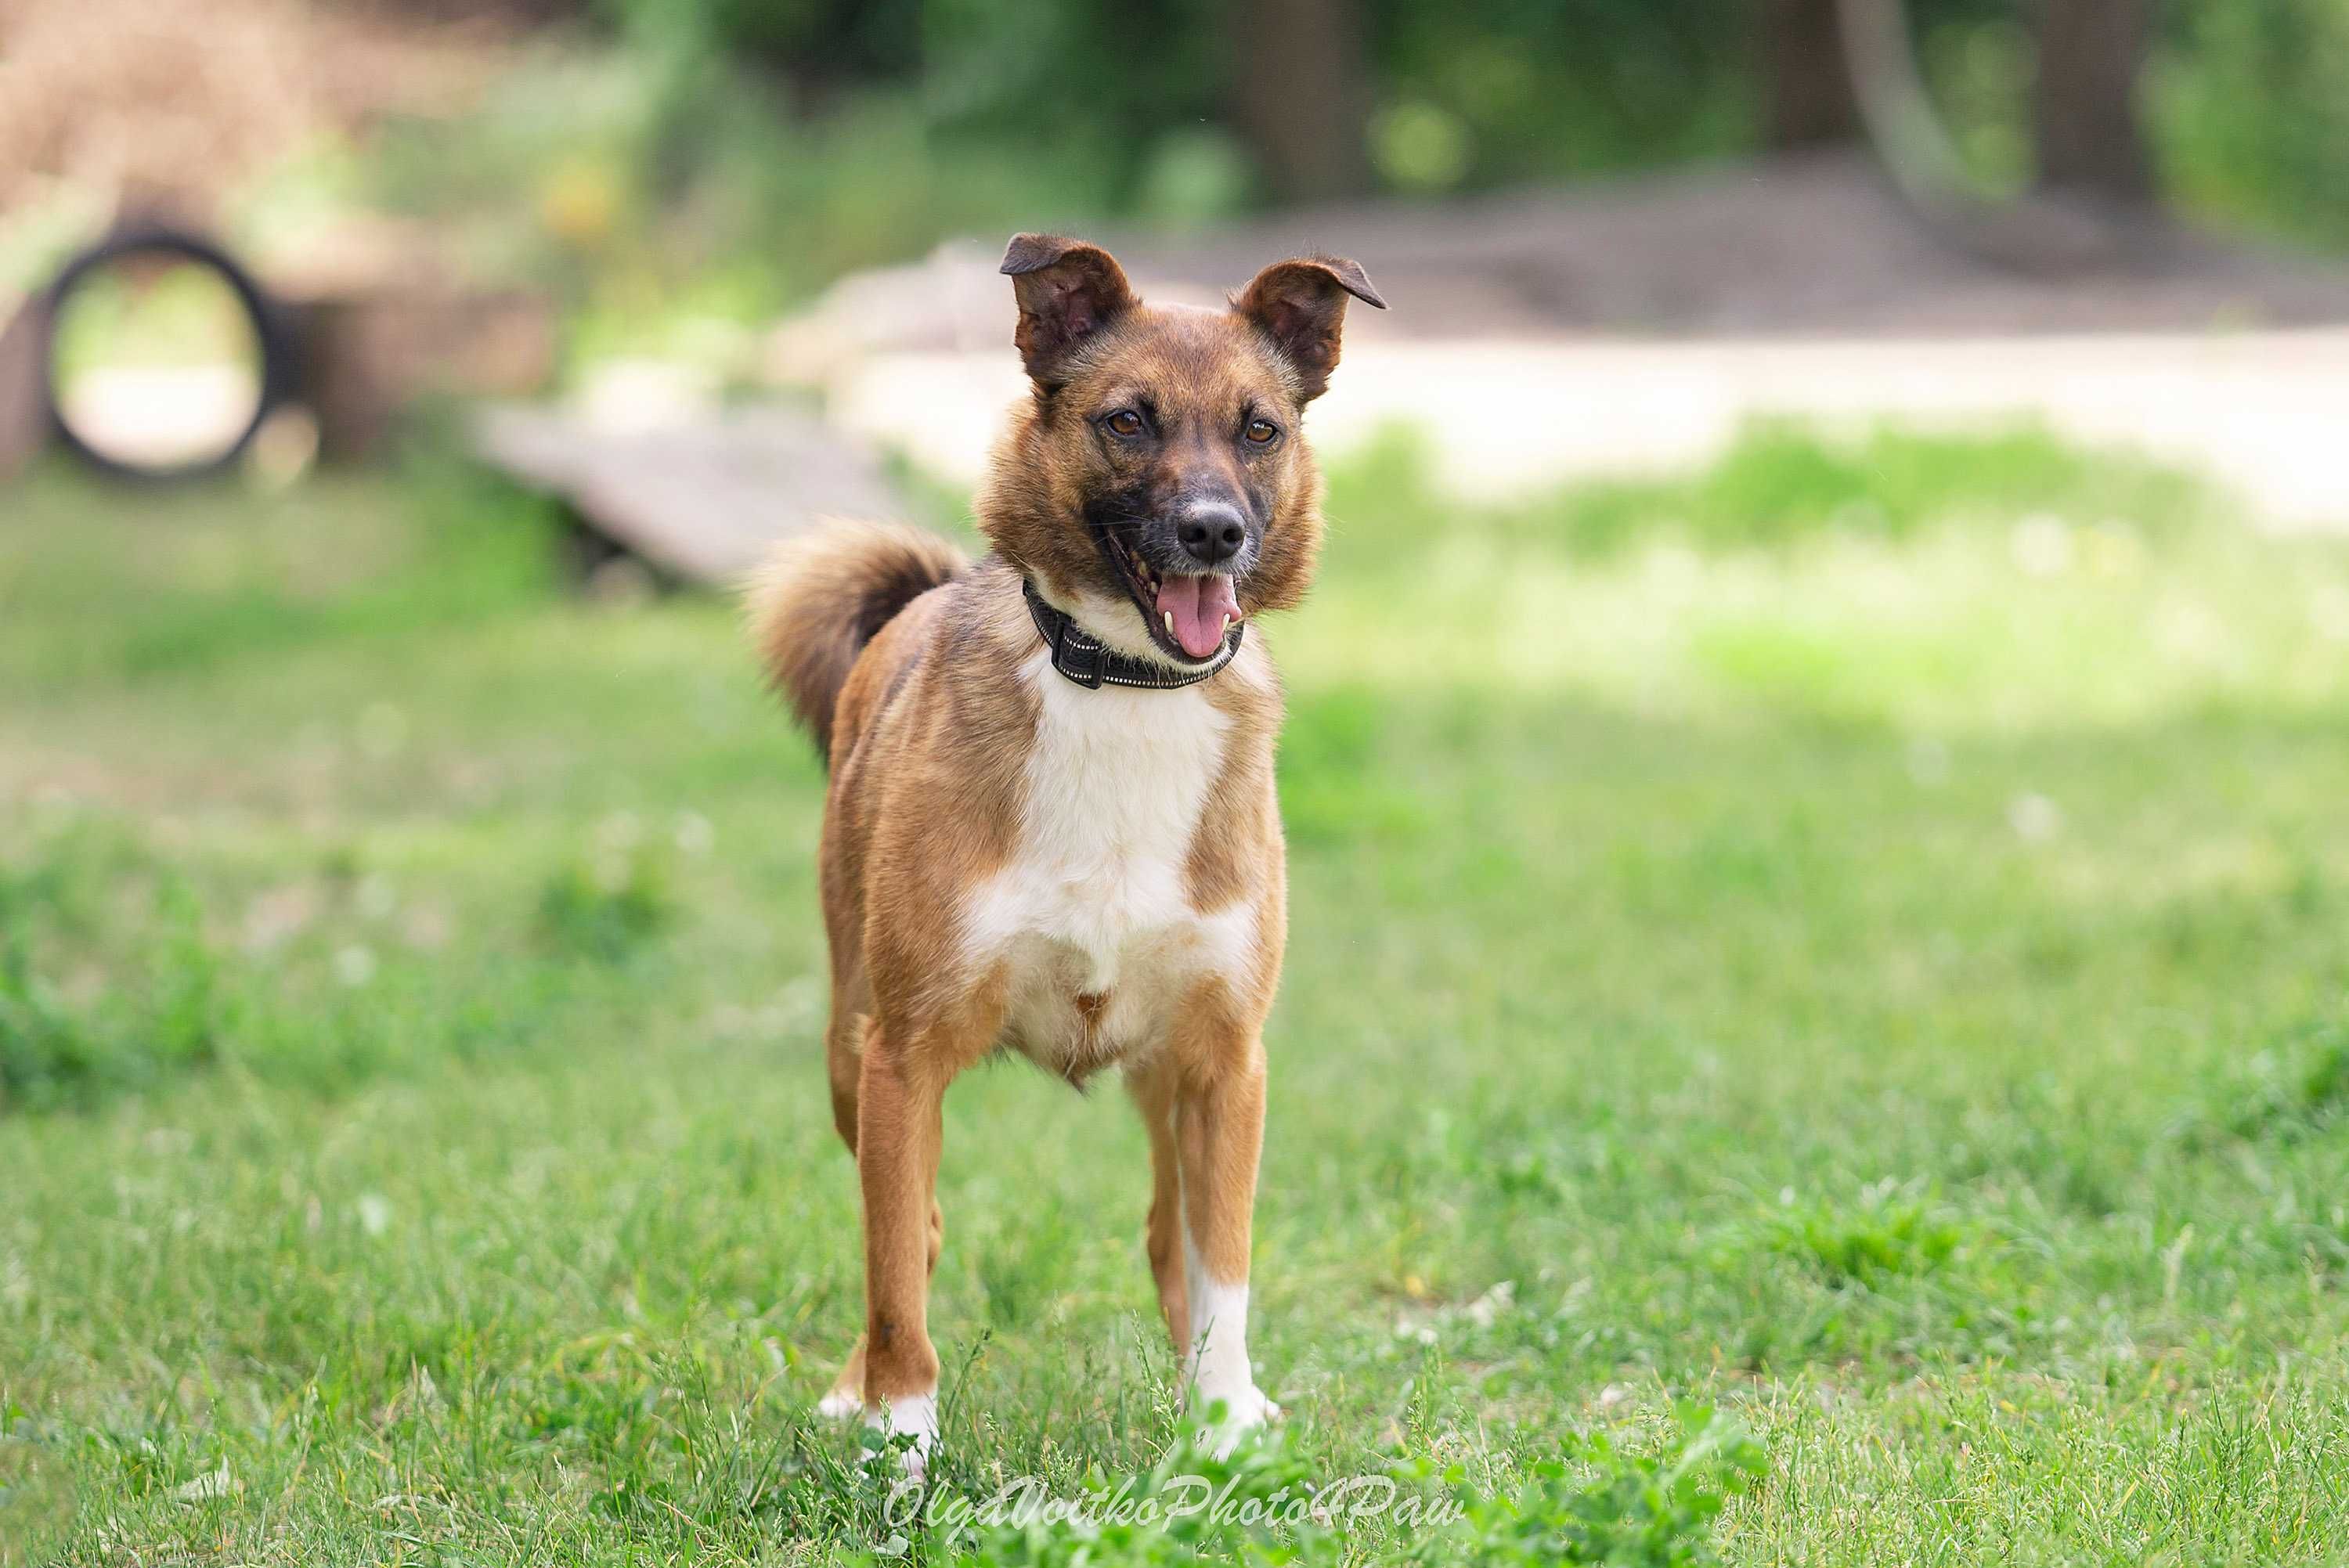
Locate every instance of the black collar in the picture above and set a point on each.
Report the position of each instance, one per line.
(1082, 657)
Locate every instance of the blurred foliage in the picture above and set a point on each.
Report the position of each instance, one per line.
(2243, 103)
(662, 193)
(176, 314)
(1978, 60)
(1780, 485)
(604, 907)
(1479, 93)
(730, 156)
(2253, 104)
(1489, 92)
(1524, 89)
(688, 163)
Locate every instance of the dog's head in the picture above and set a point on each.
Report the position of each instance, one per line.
(1160, 481)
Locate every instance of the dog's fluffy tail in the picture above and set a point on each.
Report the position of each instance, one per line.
(826, 592)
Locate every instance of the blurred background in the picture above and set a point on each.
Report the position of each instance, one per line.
(1615, 232)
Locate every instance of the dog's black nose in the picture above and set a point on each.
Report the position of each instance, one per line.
(1212, 531)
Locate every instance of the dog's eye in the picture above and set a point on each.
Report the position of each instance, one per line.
(1124, 422)
(1260, 432)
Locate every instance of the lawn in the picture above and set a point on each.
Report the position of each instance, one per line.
(1853, 939)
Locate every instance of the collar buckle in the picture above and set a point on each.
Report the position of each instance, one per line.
(1079, 657)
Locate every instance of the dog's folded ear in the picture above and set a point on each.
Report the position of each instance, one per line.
(1301, 306)
(1067, 291)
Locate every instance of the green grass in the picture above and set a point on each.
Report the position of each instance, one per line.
(1852, 940)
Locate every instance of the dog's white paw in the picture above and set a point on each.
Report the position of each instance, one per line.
(841, 1404)
(1246, 1411)
(914, 1415)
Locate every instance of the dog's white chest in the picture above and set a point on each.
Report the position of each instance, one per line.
(1091, 914)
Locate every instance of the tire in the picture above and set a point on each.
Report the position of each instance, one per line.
(271, 330)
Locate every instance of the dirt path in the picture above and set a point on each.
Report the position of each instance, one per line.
(2261, 412)
(1539, 339)
(1627, 329)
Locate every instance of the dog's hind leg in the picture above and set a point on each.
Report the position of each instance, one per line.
(843, 1053)
(844, 1060)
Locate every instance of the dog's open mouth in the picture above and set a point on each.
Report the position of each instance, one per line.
(1187, 614)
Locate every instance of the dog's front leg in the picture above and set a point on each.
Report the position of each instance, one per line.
(1218, 1134)
(900, 1126)
(1153, 1096)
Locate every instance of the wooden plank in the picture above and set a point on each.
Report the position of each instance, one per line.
(699, 500)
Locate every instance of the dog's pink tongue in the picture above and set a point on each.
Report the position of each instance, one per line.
(1198, 606)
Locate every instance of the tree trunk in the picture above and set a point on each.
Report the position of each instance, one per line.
(2036, 234)
(2091, 140)
(1302, 92)
(1806, 91)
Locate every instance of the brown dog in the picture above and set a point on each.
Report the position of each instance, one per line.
(1051, 823)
